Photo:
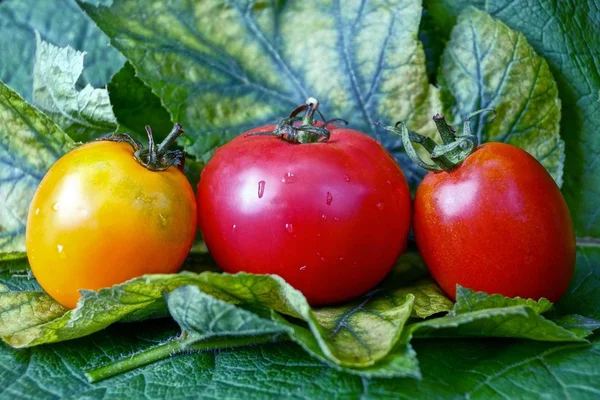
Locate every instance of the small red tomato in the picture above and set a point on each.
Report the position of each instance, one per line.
(496, 223)
(330, 217)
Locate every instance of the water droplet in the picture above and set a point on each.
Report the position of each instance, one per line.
(288, 178)
(234, 227)
(388, 182)
(336, 219)
(163, 219)
(323, 216)
(302, 268)
(261, 189)
(61, 253)
(379, 205)
(55, 206)
(346, 178)
(341, 258)
(328, 199)
(289, 228)
(37, 211)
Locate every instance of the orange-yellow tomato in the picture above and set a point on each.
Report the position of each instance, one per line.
(99, 218)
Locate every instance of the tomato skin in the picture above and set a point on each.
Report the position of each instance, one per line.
(498, 223)
(100, 218)
(330, 218)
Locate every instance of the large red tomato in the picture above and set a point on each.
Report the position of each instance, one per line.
(331, 217)
(497, 223)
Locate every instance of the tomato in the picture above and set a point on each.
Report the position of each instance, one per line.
(331, 218)
(99, 218)
(496, 223)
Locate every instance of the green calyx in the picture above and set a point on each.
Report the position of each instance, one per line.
(455, 148)
(155, 158)
(302, 129)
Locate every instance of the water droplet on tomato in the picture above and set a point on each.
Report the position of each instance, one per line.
(323, 216)
(302, 268)
(288, 178)
(336, 219)
(234, 227)
(55, 206)
(388, 182)
(346, 178)
(328, 199)
(261, 189)
(341, 258)
(289, 228)
(37, 211)
(380, 205)
(163, 219)
(61, 253)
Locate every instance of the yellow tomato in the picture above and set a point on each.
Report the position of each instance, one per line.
(99, 217)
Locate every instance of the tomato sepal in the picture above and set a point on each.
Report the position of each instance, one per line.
(305, 129)
(154, 158)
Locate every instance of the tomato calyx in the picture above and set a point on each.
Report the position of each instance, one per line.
(155, 158)
(455, 148)
(302, 129)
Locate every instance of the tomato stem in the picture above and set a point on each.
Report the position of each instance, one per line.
(171, 348)
(447, 156)
(295, 129)
(154, 158)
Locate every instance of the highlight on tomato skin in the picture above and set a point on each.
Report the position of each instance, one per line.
(107, 212)
(490, 218)
(324, 207)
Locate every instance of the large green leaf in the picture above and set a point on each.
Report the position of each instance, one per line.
(30, 143)
(59, 22)
(565, 34)
(474, 369)
(135, 106)
(477, 314)
(583, 296)
(85, 114)
(488, 65)
(223, 67)
(364, 334)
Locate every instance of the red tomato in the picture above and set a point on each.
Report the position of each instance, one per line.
(330, 218)
(498, 223)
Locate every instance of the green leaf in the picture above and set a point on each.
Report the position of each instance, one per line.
(221, 68)
(203, 316)
(478, 314)
(509, 322)
(85, 114)
(477, 369)
(488, 65)
(564, 33)
(361, 336)
(583, 295)
(468, 300)
(581, 326)
(30, 143)
(60, 22)
(14, 262)
(135, 106)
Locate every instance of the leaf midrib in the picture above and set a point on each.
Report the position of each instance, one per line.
(587, 241)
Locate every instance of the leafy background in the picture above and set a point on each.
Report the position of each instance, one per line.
(177, 70)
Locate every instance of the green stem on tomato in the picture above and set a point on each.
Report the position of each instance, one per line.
(446, 156)
(172, 348)
(300, 130)
(155, 158)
